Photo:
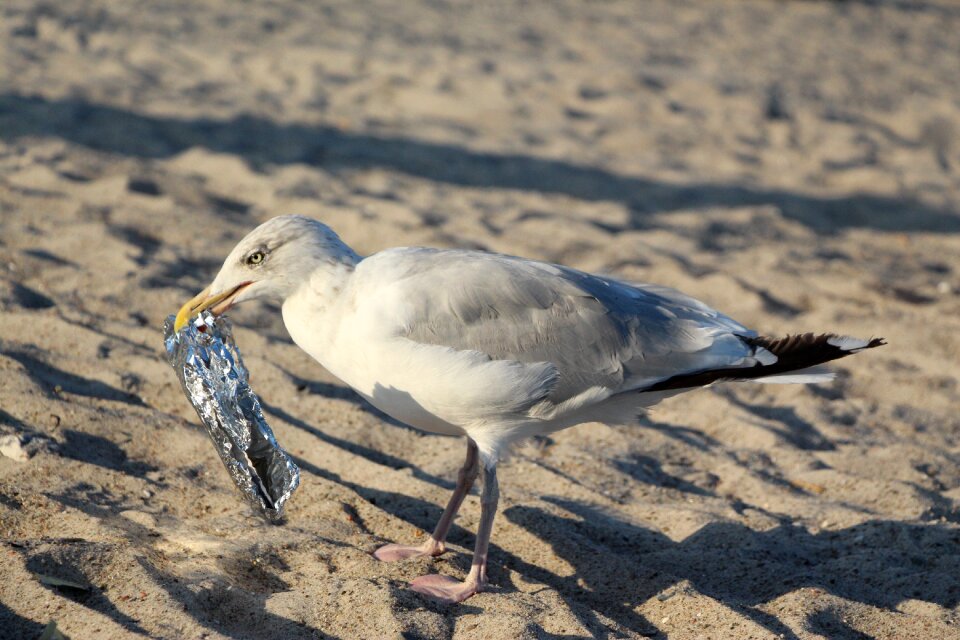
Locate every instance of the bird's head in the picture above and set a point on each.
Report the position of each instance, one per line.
(270, 263)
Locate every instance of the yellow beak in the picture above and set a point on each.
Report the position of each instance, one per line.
(203, 301)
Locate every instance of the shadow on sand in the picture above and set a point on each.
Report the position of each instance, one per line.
(260, 141)
(206, 602)
(619, 565)
(18, 626)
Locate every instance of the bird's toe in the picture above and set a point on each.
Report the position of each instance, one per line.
(395, 552)
(445, 589)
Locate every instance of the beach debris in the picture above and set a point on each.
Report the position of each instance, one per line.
(25, 443)
(12, 447)
(62, 583)
(809, 487)
(211, 372)
(50, 632)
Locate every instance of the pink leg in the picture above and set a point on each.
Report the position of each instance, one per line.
(433, 546)
(448, 590)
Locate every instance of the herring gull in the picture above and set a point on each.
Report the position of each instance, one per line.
(494, 348)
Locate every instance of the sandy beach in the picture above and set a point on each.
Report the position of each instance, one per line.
(794, 164)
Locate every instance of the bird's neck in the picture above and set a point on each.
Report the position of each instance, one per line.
(310, 312)
(323, 286)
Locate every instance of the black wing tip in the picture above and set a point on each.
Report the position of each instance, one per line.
(794, 353)
(806, 342)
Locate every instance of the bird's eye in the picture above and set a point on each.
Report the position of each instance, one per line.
(255, 258)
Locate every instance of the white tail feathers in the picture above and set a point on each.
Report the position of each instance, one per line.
(811, 375)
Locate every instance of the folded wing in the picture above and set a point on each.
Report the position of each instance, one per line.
(600, 336)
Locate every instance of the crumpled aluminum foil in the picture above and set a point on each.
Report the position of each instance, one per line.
(214, 379)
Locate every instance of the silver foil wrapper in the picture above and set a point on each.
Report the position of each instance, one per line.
(214, 379)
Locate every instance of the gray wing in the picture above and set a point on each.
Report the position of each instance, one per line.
(596, 331)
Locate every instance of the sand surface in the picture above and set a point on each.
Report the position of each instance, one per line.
(795, 164)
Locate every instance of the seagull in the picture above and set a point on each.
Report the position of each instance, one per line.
(494, 348)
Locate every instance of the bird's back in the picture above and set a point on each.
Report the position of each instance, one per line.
(596, 331)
